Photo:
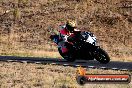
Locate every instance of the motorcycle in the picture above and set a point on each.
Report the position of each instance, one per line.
(84, 46)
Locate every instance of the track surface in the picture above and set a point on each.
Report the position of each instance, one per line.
(114, 65)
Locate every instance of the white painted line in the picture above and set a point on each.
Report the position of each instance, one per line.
(91, 66)
(53, 63)
(77, 65)
(9, 60)
(24, 61)
(124, 69)
(102, 67)
(65, 64)
(37, 62)
(115, 68)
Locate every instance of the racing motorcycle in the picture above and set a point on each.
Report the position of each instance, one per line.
(84, 46)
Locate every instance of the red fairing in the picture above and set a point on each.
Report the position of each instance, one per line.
(64, 31)
(64, 50)
(72, 35)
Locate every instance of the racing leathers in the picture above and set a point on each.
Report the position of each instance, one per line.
(62, 39)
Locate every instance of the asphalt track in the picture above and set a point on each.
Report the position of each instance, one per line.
(114, 65)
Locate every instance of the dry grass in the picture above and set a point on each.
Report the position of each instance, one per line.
(23, 75)
(24, 28)
(124, 59)
(24, 24)
(45, 54)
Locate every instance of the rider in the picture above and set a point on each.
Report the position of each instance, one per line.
(66, 33)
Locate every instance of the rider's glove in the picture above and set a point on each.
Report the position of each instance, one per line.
(52, 37)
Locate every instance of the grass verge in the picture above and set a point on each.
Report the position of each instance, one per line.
(23, 75)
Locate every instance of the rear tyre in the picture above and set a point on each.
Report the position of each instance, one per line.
(102, 56)
(67, 56)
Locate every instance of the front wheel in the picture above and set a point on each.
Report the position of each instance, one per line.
(102, 56)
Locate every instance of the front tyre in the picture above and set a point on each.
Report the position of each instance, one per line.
(102, 56)
(67, 57)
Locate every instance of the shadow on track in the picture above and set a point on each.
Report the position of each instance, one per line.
(117, 65)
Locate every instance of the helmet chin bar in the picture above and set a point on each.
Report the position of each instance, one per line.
(69, 28)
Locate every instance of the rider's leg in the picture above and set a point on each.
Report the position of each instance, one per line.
(63, 47)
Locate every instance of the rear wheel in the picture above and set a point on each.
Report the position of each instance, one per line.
(67, 56)
(102, 56)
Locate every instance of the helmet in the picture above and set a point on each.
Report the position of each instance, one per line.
(70, 25)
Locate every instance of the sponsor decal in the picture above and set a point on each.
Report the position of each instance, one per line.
(83, 78)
